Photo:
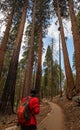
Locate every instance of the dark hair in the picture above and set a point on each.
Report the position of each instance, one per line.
(33, 92)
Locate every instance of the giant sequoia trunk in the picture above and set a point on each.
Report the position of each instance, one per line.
(28, 71)
(7, 99)
(5, 40)
(68, 72)
(39, 68)
(76, 38)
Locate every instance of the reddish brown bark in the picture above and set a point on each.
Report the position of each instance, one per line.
(28, 72)
(76, 38)
(68, 72)
(5, 40)
(7, 99)
(39, 68)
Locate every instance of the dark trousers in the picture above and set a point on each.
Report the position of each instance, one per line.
(31, 127)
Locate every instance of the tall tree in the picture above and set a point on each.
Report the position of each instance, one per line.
(52, 63)
(68, 72)
(51, 81)
(7, 100)
(43, 15)
(60, 68)
(5, 39)
(28, 72)
(39, 68)
(48, 66)
(76, 38)
(12, 34)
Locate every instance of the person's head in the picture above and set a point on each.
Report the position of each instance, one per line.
(33, 92)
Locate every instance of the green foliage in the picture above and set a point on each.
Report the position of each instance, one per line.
(51, 75)
(10, 44)
(78, 20)
(43, 15)
(19, 82)
(63, 8)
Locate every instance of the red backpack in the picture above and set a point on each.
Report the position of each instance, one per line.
(24, 112)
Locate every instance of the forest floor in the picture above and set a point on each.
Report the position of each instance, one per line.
(71, 111)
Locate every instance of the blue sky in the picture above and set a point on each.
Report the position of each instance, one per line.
(70, 48)
(54, 33)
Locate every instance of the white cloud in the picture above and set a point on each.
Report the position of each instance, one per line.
(23, 39)
(2, 24)
(54, 33)
(67, 28)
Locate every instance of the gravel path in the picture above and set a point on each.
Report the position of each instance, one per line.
(54, 120)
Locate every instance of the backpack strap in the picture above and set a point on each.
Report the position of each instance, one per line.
(28, 101)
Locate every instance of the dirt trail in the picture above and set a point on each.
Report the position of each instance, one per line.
(54, 120)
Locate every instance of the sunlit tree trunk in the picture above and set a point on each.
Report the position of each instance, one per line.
(39, 66)
(52, 74)
(28, 72)
(7, 100)
(68, 72)
(60, 68)
(76, 38)
(5, 40)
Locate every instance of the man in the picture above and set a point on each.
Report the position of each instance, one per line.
(34, 106)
